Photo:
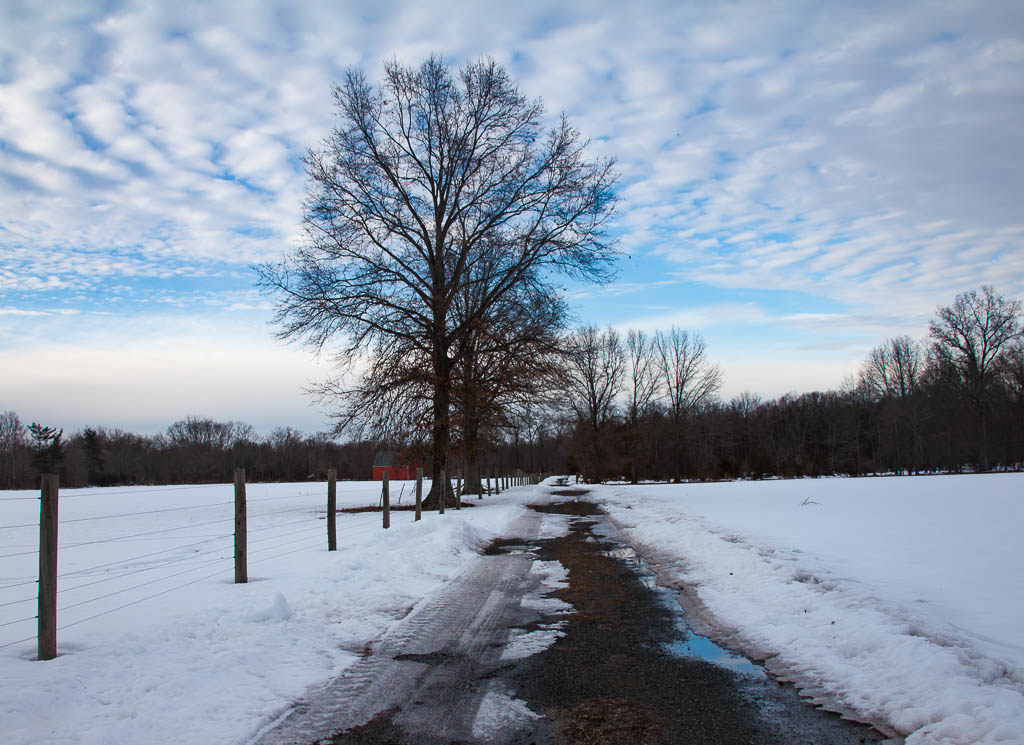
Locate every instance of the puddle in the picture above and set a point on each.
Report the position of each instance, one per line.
(702, 647)
(518, 549)
(692, 644)
(506, 547)
(629, 669)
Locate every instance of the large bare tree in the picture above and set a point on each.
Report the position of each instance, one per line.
(973, 337)
(974, 334)
(432, 182)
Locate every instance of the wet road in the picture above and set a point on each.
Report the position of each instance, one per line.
(557, 640)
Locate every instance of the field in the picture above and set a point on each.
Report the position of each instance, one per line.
(896, 599)
(167, 648)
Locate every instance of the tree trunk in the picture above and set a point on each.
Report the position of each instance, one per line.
(441, 433)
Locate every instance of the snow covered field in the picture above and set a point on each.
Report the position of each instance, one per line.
(201, 660)
(902, 597)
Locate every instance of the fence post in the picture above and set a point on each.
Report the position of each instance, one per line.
(441, 492)
(419, 493)
(458, 492)
(479, 483)
(241, 560)
(332, 509)
(47, 627)
(387, 500)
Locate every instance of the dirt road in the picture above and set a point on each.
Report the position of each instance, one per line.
(555, 640)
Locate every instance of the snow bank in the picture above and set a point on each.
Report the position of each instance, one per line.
(901, 597)
(211, 661)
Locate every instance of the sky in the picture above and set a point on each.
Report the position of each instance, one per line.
(798, 180)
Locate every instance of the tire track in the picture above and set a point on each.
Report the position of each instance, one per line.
(464, 625)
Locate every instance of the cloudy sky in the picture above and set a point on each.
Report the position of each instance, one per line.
(799, 180)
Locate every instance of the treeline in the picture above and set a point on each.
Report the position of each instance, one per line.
(646, 408)
(193, 450)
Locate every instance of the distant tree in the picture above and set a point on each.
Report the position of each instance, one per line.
(1013, 371)
(203, 432)
(974, 334)
(893, 369)
(642, 393)
(47, 448)
(972, 338)
(591, 376)
(432, 183)
(92, 444)
(12, 438)
(689, 378)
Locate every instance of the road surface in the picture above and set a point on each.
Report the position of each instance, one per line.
(510, 655)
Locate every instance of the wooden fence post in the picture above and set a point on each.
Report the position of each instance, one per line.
(419, 493)
(387, 500)
(47, 627)
(332, 509)
(479, 483)
(241, 559)
(458, 492)
(441, 492)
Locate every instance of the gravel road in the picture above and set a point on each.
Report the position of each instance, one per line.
(506, 656)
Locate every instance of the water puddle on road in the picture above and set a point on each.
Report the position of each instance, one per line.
(629, 668)
(691, 644)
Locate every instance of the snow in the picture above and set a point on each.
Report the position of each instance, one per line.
(552, 576)
(199, 659)
(898, 600)
(499, 714)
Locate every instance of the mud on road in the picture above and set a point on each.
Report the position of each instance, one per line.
(619, 673)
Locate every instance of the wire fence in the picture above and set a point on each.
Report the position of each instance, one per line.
(100, 575)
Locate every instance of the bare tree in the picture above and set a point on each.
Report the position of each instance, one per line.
(591, 375)
(429, 183)
(974, 333)
(202, 432)
(893, 369)
(689, 377)
(973, 337)
(13, 437)
(1014, 371)
(643, 375)
(591, 378)
(641, 395)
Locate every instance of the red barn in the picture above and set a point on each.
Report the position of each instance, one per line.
(387, 461)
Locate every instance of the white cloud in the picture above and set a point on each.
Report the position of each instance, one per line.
(864, 155)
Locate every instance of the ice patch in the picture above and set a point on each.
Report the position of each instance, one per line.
(525, 643)
(554, 526)
(553, 576)
(498, 714)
